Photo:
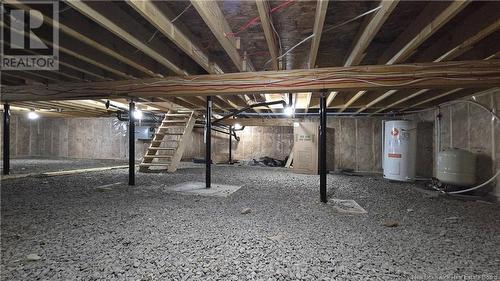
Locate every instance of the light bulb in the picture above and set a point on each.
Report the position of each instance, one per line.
(33, 115)
(137, 114)
(288, 111)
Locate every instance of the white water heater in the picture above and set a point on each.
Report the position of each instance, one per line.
(399, 150)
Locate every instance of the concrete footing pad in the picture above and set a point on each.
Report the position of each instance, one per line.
(198, 188)
(346, 206)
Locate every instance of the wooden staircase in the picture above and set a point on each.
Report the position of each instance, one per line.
(169, 142)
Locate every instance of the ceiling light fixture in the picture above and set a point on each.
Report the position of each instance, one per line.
(238, 126)
(137, 114)
(32, 115)
(288, 111)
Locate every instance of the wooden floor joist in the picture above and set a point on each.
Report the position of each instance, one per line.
(319, 21)
(214, 18)
(414, 36)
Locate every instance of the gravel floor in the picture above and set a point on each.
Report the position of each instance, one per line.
(41, 165)
(84, 231)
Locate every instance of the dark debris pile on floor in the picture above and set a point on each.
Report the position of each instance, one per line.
(94, 227)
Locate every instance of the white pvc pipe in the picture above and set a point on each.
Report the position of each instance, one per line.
(475, 187)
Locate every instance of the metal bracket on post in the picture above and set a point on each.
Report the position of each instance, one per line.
(131, 143)
(208, 142)
(6, 139)
(322, 147)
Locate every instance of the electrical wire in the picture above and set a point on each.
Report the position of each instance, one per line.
(238, 85)
(64, 10)
(294, 78)
(179, 15)
(326, 30)
(279, 41)
(172, 21)
(256, 19)
(153, 36)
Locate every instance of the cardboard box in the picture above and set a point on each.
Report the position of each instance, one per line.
(305, 149)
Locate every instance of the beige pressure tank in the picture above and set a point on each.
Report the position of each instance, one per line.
(456, 167)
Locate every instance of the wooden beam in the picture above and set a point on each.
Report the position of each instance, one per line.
(462, 41)
(68, 107)
(72, 33)
(98, 45)
(63, 74)
(92, 70)
(265, 122)
(457, 74)
(319, 21)
(377, 100)
(61, 109)
(470, 42)
(26, 77)
(369, 31)
(140, 44)
(215, 20)
(77, 48)
(43, 77)
(202, 101)
(23, 108)
(266, 22)
(403, 96)
(159, 20)
(463, 95)
(474, 27)
(444, 94)
(9, 80)
(410, 39)
(435, 97)
(405, 48)
(403, 99)
(179, 102)
(331, 97)
(74, 70)
(155, 16)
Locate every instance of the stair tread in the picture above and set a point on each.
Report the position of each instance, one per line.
(164, 140)
(181, 124)
(158, 156)
(178, 114)
(172, 134)
(175, 121)
(169, 127)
